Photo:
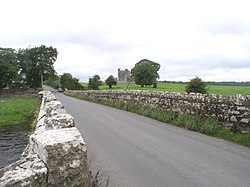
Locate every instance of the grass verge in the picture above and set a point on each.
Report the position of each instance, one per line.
(18, 112)
(208, 126)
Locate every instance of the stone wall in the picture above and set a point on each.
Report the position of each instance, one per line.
(56, 154)
(232, 112)
(6, 93)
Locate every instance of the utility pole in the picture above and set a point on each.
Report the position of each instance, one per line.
(42, 80)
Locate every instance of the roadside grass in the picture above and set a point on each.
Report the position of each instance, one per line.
(17, 111)
(208, 126)
(177, 87)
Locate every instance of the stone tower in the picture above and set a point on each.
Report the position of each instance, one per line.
(123, 75)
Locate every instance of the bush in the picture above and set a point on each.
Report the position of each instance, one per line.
(196, 85)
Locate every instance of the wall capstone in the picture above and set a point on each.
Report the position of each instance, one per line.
(56, 154)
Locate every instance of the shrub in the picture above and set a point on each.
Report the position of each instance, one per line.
(196, 85)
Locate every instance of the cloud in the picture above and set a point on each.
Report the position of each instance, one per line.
(208, 67)
(233, 26)
(94, 41)
(188, 38)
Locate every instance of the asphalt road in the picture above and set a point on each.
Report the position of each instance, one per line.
(133, 150)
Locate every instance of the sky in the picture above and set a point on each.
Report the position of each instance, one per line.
(188, 38)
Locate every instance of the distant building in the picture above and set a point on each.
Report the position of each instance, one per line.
(123, 75)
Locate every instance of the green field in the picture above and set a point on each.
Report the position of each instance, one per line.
(175, 87)
(17, 111)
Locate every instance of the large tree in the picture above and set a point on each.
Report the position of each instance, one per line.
(94, 82)
(8, 67)
(53, 81)
(70, 82)
(37, 63)
(145, 72)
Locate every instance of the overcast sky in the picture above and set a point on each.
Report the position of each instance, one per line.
(188, 38)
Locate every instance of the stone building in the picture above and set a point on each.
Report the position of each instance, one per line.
(123, 75)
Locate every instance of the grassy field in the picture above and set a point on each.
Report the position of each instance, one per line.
(175, 87)
(17, 111)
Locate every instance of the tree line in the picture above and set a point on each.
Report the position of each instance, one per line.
(144, 73)
(30, 67)
(26, 68)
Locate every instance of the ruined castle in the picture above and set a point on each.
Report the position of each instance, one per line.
(123, 75)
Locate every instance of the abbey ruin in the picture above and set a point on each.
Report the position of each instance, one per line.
(123, 75)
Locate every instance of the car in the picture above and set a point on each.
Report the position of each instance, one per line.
(60, 90)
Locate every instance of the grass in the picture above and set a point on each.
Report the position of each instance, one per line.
(229, 90)
(176, 87)
(208, 126)
(17, 111)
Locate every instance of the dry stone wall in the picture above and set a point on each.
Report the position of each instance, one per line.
(18, 93)
(56, 154)
(232, 112)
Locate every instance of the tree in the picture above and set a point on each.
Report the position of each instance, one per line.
(196, 85)
(53, 81)
(37, 63)
(145, 72)
(110, 81)
(70, 82)
(8, 67)
(76, 84)
(94, 82)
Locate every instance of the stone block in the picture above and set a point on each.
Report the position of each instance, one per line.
(53, 105)
(26, 172)
(65, 155)
(245, 120)
(61, 120)
(233, 119)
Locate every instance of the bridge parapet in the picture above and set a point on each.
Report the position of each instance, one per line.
(56, 154)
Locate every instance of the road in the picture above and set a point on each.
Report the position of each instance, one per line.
(133, 150)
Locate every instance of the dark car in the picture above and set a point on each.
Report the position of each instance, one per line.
(60, 90)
